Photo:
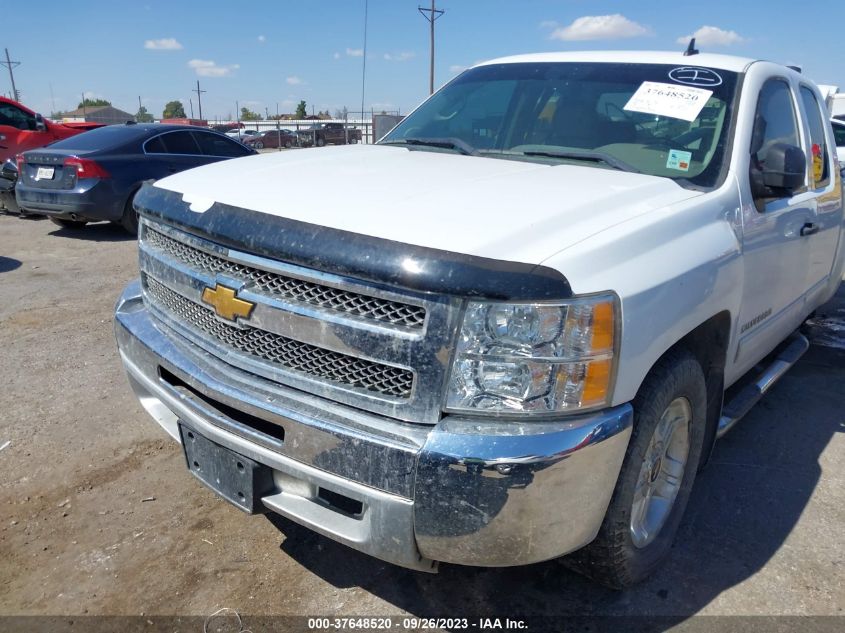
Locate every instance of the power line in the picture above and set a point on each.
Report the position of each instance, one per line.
(10, 65)
(432, 14)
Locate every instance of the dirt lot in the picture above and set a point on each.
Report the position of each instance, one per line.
(98, 514)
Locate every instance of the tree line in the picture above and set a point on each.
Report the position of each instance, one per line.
(176, 110)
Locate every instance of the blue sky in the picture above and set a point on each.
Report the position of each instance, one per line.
(278, 52)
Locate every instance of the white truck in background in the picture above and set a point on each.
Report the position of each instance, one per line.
(516, 343)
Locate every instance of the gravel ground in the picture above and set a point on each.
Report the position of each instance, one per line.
(98, 514)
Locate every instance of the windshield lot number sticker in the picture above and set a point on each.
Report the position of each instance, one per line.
(678, 160)
(678, 102)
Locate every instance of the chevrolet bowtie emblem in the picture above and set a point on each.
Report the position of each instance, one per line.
(226, 304)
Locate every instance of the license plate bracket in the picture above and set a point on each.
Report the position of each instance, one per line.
(238, 479)
(45, 173)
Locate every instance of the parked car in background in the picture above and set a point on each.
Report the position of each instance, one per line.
(241, 135)
(328, 134)
(272, 138)
(839, 135)
(22, 129)
(94, 176)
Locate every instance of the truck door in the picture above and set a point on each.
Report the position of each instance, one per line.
(775, 253)
(823, 232)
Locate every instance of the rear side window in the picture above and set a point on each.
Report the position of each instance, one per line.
(839, 135)
(774, 122)
(818, 143)
(219, 145)
(155, 146)
(180, 143)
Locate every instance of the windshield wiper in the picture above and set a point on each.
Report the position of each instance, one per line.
(597, 157)
(446, 142)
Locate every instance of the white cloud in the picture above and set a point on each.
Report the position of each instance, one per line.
(208, 68)
(457, 68)
(399, 57)
(600, 27)
(712, 36)
(262, 39)
(355, 52)
(336, 55)
(164, 44)
(293, 80)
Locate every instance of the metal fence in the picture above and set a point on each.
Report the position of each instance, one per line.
(370, 123)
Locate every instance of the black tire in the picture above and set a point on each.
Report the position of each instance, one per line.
(320, 142)
(612, 558)
(258, 145)
(288, 144)
(129, 219)
(68, 224)
(354, 141)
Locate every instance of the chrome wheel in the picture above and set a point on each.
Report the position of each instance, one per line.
(661, 473)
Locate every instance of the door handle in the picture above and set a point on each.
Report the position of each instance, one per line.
(809, 228)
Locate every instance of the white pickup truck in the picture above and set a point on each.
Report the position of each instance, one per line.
(560, 280)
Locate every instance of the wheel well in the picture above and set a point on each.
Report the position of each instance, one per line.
(709, 344)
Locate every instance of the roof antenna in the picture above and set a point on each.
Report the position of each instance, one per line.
(691, 49)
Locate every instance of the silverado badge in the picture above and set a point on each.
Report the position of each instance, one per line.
(226, 304)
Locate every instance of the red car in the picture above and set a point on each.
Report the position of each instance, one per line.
(22, 129)
(271, 138)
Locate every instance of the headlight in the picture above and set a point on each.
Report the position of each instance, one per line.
(534, 358)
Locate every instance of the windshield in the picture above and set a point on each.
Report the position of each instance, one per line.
(654, 119)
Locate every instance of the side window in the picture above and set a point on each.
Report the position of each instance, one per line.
(839, 135)
(219, 145)
(15, 117)
(819, 150)
(155, 146)
(774, 122)
(180, 143)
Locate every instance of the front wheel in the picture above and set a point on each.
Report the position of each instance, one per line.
(656, 478)
(320, 142)
(68, 224)
(258, 145)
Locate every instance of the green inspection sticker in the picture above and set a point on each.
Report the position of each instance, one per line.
(678, 160)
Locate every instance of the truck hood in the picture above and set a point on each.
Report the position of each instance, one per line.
(502, 209)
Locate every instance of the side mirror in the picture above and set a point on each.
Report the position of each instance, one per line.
(784, 171)
(40, 124)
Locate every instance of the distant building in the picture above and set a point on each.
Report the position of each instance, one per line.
(97, 114)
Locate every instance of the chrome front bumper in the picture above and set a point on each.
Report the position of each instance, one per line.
(470, 491)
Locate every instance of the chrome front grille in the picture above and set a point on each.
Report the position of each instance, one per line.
(291, 354)
(377, 348)
(375, 308)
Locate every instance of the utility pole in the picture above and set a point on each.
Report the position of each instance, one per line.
(431, 15)
(364, 59)
(199, 97)
(191, 103)
(10, 65)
